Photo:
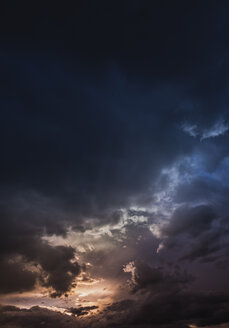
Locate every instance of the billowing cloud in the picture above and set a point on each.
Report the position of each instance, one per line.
(143, 276)
(26, 258)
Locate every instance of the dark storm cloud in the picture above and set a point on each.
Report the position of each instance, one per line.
(185, 308)
(198, 232)
(92, 146)
(59, 266)
(171, 309)
(157, 279)
(35, 317)
(207, 247)
(174, 307)
(97, 135)
(15, 278)
(190, 220)
(168, 310)
(21, 236)
(166, 299)
(199, 189)
(87, 138)
(57, 269)
(97, 98)
(206, 188)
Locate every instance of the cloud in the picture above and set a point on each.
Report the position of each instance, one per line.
(59, 267)
(15, 278)
(26, 258)
(157, 279)
(170, 309)
(196, 233)
(217, 129)
(190, 129)
(82, 310)
(190, 220)
(92, 114)
(34, 317)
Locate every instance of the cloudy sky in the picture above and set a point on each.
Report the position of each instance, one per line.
(114, 164)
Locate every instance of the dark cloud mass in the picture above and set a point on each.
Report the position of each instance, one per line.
(34, 317)
(146, 277)
(83, 310)
(56, 265)
(114, 163)
(15, 278)
(190, 220)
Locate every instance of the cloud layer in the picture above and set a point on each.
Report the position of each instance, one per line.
(114, 163)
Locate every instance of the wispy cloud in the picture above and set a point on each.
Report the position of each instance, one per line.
(217, 129)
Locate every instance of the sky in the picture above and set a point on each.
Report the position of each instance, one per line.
(114, 164)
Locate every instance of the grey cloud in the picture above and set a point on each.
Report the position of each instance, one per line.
(209, 247)
(156, 279)
(170, 310)
(197, 233)
(199, 189)
(82, 310)
(56, 265)
(59, 266)
(190, 220)
(14, 277)
(167, 310)
(34, 317)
